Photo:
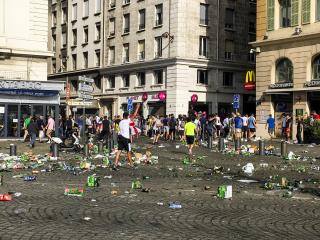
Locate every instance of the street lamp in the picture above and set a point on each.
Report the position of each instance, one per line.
(168, 35)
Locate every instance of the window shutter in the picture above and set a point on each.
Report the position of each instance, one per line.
(294, 13)
(318, 9)
(305, 11)
(270, 13)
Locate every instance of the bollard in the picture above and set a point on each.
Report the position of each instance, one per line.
(13, 150)
(237, 144)
(261, 147)
(86, 150)
(210, 142)
(55, 152)
(283, 149)
(221, 144)
(100, 147)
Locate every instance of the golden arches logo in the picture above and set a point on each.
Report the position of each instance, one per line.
(250, 77)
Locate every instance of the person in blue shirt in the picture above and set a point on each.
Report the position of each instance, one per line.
(252, 126)
(270, 124)
(238, 124)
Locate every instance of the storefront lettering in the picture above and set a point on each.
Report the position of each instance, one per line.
(133, 97)
(281, 85)
(312, 83)
(155, 96)
(20, 85)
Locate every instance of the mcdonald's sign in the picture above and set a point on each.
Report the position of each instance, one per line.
(250, 83)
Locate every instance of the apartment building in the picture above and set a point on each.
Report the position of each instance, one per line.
(24, 88)
(288, 58)
(76, 38)
(161, 52)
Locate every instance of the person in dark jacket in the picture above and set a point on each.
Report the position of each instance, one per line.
(33, 129)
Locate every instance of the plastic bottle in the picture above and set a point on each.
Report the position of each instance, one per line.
(29, 178)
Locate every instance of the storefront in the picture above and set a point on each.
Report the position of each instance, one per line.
(19, 99)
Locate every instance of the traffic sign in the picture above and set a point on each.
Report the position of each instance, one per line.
(130, 105)
(236, 105)
(85, 87)
(85, 79)
(236, 98)
(85, 96)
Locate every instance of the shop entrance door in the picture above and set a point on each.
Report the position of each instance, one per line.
(12, 121)
(25, 111)
(2, 121)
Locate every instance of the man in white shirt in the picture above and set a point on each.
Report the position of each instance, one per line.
(124, 142)
(245, 128)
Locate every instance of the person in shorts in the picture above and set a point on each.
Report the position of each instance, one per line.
(238, 124)
(252, 126)
(270, 124)
(245, 129)
(124, 142)
(165, 122)
(190, 130)
(157, 124)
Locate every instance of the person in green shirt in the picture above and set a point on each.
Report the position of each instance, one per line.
(26, 124)
(190, 130)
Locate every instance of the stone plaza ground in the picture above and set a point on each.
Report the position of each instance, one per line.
(115, 211)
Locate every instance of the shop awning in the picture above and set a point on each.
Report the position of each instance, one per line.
(290, 90)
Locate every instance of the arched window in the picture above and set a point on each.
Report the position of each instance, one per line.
(316, 68)
(284, 71)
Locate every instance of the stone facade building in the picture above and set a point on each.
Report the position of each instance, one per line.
(288, 59)
(24, 88)
(172, 48)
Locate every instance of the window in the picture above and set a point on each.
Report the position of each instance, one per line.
(204, 20)
(159, 15)
(98, 6)
(318, 10)
(316, 68)
(158, 77)
(270, 14)
(229, 18)
(229, 49)
(111, 55)
(64, 40)
(112, 4)
(305, 12)
(111, 82)
(74, 37)
(141, 50)
(125, 80)
(285, 13)
(252, 23)
(97, 58)
(54, 19)
(112, 26)
(125, 53)
(125, 2)
(85, 34)
(54, 43)
(98, 31)
(141, 76)
(126, 23)
(158, 47)
(227, 79)
(74, 61)
(85, 8)
(74, 12)
(284, 71)
(64, 16)
(63, 64)
(203, 46)
(85, 60)
(202, 77)
(142, 19)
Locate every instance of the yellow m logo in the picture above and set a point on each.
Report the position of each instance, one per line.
(250, 77)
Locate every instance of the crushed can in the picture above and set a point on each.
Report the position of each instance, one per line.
(93, 181)
(136, 184)
(5, 197)
(224, 191)
(29, 178)
(74, 192)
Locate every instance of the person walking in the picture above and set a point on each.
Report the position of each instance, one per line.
(252, 126)
(190, 130)
(26, 123)
(124, 142)
(165, 122)
(288, 128)
(217, 122)
(270, 125)
(50, 128)
(69, 126)
(105, 132)
(238, 124)
(41, 128)
(299, 129)
(156, 128)
(172, 128)
(33, 129)
(245, 129)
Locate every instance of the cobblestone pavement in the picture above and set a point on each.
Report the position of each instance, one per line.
(43, 212)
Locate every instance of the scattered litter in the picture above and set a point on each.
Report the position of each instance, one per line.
(248, 169)
(247, 181)
(79, 192)
(5, 197)
(87, 218)
(224, 191)
(175, 205)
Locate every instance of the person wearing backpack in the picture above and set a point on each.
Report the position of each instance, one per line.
(181, 126)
